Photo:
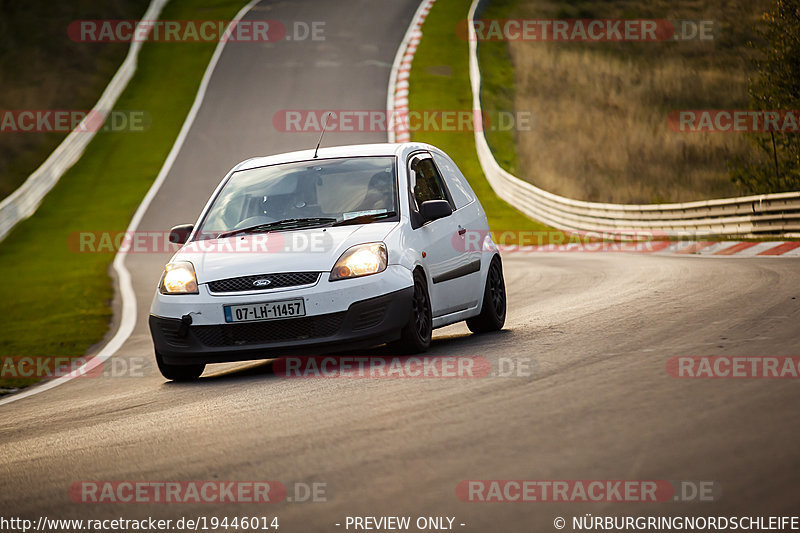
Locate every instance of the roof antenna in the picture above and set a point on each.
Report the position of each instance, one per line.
(324, 125)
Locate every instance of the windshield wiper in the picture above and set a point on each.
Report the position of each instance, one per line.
(288, 223)
(363, 219)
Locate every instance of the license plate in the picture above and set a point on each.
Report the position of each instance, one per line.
(265, 311)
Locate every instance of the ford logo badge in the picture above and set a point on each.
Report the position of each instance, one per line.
(261, 282)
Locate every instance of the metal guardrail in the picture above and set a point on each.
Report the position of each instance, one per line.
(23, 202)
(750, 216)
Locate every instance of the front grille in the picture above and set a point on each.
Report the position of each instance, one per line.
(276, 281)
(294, 329)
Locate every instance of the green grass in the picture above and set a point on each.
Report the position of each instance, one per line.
(56, 302)
(439, 80)
(600, 131)
(42, 68)
(497, 88)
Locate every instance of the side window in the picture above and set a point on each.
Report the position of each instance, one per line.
(457, 184)
(425, 181)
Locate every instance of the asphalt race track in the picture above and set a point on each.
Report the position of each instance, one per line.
(597, 330)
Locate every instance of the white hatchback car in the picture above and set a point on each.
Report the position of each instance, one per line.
(350, 247)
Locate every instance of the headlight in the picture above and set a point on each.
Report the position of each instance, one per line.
(178, 278)
(360, 260)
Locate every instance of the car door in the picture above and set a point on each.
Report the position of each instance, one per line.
(451, 269)
(469, 216)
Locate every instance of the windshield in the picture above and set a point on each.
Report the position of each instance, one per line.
(304, 194)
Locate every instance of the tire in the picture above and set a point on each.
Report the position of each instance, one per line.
(415, 337)
(179, 372)
(493, 310)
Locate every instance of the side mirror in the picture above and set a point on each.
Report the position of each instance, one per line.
(435, 209)
(180, 234)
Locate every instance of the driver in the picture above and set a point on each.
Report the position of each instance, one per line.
(379, 193)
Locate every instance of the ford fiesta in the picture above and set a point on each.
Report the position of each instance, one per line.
(347, 247)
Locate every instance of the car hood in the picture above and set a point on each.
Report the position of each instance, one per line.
(305, 250)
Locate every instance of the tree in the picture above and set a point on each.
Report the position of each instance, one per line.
(776, 87)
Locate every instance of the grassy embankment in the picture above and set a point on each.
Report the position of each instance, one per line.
(42, 68)
(601, 108)
(54, 301)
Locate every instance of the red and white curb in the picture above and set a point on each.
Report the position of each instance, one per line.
(677, 248)
(397, 95)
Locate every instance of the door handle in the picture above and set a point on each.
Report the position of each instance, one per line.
(461, 231)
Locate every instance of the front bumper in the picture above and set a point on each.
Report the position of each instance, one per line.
(364, 323)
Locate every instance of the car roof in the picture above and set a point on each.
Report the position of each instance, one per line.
(354, 150)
